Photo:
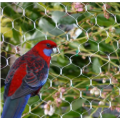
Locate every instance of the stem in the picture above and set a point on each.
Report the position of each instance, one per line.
(93, 55)
(84, 54)
(116, 52)
(93, 112)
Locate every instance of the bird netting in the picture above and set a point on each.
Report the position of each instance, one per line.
(84, 76)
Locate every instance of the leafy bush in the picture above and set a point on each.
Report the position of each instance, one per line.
(84, 78)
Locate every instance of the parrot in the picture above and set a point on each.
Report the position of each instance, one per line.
(26, 77)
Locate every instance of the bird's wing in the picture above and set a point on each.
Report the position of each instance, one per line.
(35, 77)
(15, 67)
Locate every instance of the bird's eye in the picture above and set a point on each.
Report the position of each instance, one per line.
(48, 45)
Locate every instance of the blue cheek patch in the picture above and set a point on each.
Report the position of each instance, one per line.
(47, 52)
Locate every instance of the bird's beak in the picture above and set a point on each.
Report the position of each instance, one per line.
(55, 50)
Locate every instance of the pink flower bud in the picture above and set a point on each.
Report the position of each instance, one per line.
(117, 109)
(80, 9)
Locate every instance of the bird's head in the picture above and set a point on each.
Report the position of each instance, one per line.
(45, 48)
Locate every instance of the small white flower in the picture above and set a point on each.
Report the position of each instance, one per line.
(95, 88)
(104, 80)
(112, 28)
(45, 106)
(97, 92)
(52, 110)
(49, 109)
(101, 28)
(101, 103)
(92, 91)
(45, 111)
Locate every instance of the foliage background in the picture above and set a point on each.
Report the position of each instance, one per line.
(89, 42)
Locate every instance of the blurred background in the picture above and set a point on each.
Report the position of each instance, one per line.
(84, 77)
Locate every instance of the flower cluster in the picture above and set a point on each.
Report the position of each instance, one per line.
(106, 14)
(95, 91)
(57, 98)
(114, 80)
(48, 108)
(76, 6)
(112, 29)
(118, 108)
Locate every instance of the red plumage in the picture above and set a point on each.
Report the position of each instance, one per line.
(17, 79)
(26, 77)
(29, 69)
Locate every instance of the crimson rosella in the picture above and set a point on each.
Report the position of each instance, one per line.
(26, 77)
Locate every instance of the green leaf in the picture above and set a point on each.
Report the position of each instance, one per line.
(71, 114)
(48, 27)
(26, 26)
(96, 65)
(57, 15)
(106, 48)
(37, 36)
(62, 60)
(94, 45)
(45, 25)
(117, 31)
(16, 35)
(68, 4)
(43, 5)
(118, 18)
(75, 44)
(69, 19)
(102, 21)
(26, 109)
(33, 99)
(2, 92)
(107, 115)
(7, 32)
(26, 4)
(9, 11)
(108, 39)
(78, 103)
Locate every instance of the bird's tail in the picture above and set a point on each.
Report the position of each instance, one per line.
(13, 108)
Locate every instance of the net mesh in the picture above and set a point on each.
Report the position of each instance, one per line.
(84, 76)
